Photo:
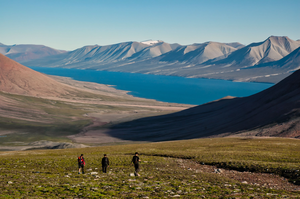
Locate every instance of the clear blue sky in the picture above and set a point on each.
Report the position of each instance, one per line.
(71, 24)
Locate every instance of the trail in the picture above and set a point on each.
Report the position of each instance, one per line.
(265, 180)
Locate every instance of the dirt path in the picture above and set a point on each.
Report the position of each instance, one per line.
(257, 179)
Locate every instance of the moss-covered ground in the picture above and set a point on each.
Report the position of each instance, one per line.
(54, 173)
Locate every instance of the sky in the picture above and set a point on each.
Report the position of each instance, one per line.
(71, 24)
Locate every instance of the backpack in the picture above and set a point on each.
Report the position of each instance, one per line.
(81, 161)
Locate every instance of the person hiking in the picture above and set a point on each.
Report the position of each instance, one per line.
(135, 161)
(81, 164)
(105, 163)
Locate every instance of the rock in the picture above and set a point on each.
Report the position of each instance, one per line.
(94, 173)
(9, 182)
(131, 175)
(67, 176)
(176, 196)
(244, 182)
(218, 171)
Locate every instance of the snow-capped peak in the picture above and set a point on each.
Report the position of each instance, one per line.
(151, 42)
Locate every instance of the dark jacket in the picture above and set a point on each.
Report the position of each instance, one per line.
(135, 159)
(105, 161)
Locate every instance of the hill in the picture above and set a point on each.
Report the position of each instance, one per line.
(18, 79)
(272, 112)
(27, 52)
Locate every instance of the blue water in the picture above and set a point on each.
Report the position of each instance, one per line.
(163, 88)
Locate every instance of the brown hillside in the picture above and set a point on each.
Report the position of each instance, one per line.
(18, 79)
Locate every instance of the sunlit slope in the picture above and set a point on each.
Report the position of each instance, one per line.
(18, 79)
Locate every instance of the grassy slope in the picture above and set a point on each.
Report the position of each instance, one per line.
(54, 119)
(53, 173)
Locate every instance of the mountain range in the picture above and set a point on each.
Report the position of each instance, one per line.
(205, 60)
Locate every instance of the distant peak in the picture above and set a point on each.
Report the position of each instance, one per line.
(151, 42)
(88, 46)
(272, 37)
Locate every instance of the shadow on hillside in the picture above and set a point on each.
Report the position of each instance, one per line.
(272, 112)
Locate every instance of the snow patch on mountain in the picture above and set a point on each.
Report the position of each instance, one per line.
(151, 42)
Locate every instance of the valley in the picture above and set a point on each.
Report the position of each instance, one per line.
(37, 107)
(149, 99)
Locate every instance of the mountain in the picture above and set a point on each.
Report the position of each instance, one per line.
(18, 79)
(290, 62)
(270, 71)
(272, 112)
(235, 45)
(272, 49)
(26, 52)
(100, 55)
(197, 53)
(151, 42)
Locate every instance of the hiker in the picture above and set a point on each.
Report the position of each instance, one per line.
(81, 164)
(105, 163)
(135, 162)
